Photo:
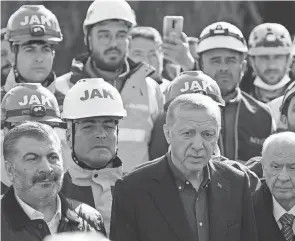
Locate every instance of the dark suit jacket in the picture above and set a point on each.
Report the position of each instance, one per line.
(147, 206)
(267, 227)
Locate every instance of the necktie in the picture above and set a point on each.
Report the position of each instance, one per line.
(287, 221)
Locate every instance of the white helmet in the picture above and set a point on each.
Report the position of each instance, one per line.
(92, 97)
(101, 10)
(269, 38)
(222, 35)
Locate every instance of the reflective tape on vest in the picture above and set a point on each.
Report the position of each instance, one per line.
(132, 135)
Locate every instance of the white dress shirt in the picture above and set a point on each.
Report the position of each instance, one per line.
(279, 211)
(34, 214)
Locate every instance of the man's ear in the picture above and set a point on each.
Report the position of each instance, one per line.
(167, 133)
(9, 170)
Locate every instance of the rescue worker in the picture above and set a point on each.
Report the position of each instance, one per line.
(270, 47)
(31, 102)
(246, 122)
(33, 31)
(5, 57)
(145, 46)
(107, 29)
(93, 109)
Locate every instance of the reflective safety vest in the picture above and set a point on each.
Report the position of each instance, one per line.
(142, 99)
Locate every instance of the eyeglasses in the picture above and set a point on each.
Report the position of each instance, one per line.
(105, 38)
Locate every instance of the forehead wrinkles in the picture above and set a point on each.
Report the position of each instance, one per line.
(196, 122)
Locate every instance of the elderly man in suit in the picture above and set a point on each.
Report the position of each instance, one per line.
(274, 202)
(185, 195)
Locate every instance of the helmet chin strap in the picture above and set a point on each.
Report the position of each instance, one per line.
(84, 165)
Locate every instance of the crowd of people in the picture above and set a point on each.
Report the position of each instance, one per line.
(147, 137)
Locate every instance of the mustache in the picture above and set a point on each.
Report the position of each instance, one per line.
(112, 49)
(269, 71)
(52, 176)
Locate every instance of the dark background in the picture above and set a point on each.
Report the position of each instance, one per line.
(197, 15)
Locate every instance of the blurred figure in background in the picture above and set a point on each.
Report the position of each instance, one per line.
(5, 57)
(145, 46)
(246, 122)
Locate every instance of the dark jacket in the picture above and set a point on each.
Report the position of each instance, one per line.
(254, 164)
(267, 227)
(147, 206)
(17, 226)
(252, 124)
(253, 178)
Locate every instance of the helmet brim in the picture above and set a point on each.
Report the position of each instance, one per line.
(221, 42)
(30, 118)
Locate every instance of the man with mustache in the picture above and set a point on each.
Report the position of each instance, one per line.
(32, 32)
(107, 30)
(93, 109)
(33, 206)
(274, 202)
(31, 102)
(270, 47)
(246, 122)
(5, 57)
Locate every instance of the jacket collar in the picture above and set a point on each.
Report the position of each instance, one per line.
(83, 177)
(165, 195)
(11, 81)
(80, 71)
(10, 206)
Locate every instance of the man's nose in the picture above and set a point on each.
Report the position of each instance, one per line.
(284, 175)
(45, 165)
(100, 132)
(197, 142)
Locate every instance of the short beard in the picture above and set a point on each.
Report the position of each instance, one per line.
(101, 64)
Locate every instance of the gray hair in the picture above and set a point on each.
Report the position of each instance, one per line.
(286, 139)
(193, 101)
(28, 129)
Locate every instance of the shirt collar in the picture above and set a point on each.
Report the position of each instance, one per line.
(279, 211)
(33, 213)
(181, 180)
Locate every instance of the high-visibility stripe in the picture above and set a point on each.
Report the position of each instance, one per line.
(134, 135)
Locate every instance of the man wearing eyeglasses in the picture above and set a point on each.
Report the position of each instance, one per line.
(245, 121)
(274, 202)
(31, 102)
(107, 30)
